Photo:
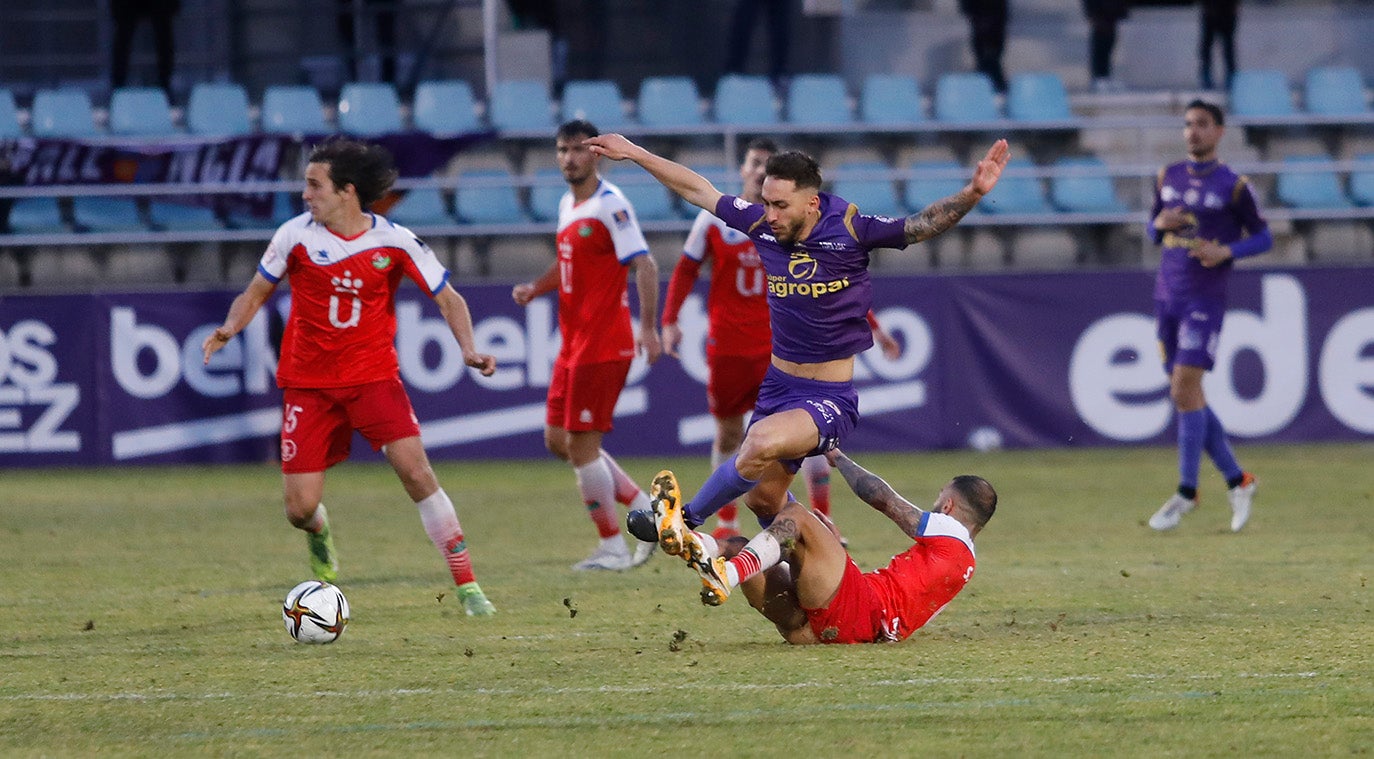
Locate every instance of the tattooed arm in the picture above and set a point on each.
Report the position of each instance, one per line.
(943, 214)
(877, 493)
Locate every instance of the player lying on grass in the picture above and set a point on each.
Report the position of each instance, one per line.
(798, 575)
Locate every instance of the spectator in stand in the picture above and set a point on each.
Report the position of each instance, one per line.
(1103, 16)
(742, 24)
(127, 14)
(1218, 20)
(987, 20)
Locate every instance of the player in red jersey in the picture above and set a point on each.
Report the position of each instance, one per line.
(798, 575)
(338, 368)
(738, 338)
(599, 243)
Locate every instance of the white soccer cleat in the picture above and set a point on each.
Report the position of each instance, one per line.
(1169, 515)
(1241, 498)
(606, 558)
(644, 550)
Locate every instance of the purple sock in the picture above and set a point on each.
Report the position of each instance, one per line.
(1219, 449)
(1192, 431)
(723, 486)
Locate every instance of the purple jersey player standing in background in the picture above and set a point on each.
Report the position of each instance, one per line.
(1205, 216)
(815, 250)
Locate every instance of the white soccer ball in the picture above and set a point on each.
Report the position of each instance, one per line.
(315, 612)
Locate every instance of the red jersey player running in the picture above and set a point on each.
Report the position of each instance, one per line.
(599, 240)
(338, 369)
(800, 578)
(738, 338)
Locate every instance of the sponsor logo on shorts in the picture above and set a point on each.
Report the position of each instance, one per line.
(288, 450)
(585, 417)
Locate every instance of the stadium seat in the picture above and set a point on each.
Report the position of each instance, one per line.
(9, 116)
(965, 97)
(142, 111)
(890, 99)
(369, 109)
(182, 217)
(872, 195)
(650, 199)
(488, 203)
(98, 214)
(1085, 193)
(1335, 91)
(292, 109)
(521, 104)
(444, 108)
(1362, 182)
(818, 99)
(925, 189)
(1017, 194)
(545, 194)
(1310, 189)
(421, 207)
(1037, 97)
(744, 100)
(218, 110)
(595, 100)
(1257, 93)
(284, 208)
(61, 113)
(669, 101)
(36, 216)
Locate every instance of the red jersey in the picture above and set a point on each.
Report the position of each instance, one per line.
(918, 583)
(737, 303)
(342, 327)
(596, 240)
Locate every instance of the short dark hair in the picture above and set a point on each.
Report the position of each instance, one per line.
(761, 143)
(1211, 108)
(795, 165)
(977, 494)
(369, 168)
(577, 128)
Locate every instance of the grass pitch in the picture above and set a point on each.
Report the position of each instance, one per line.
(139, 614)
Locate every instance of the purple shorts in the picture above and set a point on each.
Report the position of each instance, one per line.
(833, 405)
(1188, 332)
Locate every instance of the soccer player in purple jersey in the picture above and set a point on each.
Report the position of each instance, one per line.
(1205, 216)
(815, 250)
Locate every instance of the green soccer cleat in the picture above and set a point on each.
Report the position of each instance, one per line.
(475, 602)
(324, 562)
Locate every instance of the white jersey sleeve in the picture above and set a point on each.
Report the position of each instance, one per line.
(425, 267)
(937, 525)
(695, 247)
(620, 220)
(272, 265)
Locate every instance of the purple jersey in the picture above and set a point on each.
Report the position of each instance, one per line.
(819, 293)
(1221, 208)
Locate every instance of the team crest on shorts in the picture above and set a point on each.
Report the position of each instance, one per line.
(288, 450)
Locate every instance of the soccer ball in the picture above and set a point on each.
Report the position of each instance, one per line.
(315, 612)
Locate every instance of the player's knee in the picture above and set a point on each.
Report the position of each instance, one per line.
(299, 513)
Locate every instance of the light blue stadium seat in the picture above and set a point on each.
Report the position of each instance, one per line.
(9, 116)
(650, 199)
(744, 99)
(890, 99)
(1335, 91)
(369, 109)
(487, 203)
(925, 189)
(181, 217)
(61, 113)
(36, 216)
(1017, 195)
(669, 101)
(594, 100)
(1310, 189)
(284, 208)
(292, 109)
(520, 104)
(218, 110)
(965, 97)
(142, 111)
(96, 214)
(421, 207)
(1090, 193)
(446, 107)
(545, 194)
(1362, 182)
(1037, 96)
(873, 196)
(1257, 93)
(818, 99)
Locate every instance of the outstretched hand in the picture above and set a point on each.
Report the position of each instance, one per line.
(989, 170)
(482, 362)
(214, 341)
(614, 146)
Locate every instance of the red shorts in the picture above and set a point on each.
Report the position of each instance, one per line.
(582, 397)
(733, 384)
(317, 423)
(854, 615)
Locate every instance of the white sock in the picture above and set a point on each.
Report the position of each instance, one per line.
(597, 486)
(317, 520)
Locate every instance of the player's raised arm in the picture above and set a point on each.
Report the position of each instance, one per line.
(943, 214)
(241, 311)
(691, 186)
(876, 493)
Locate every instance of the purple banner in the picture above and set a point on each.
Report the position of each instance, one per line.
(1036, 360)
